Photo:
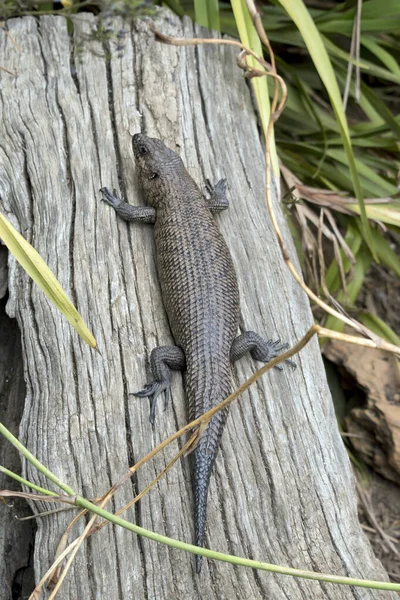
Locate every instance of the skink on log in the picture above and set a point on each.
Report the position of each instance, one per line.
(201, 297)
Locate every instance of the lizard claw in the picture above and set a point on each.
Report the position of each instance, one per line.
(276, 348)
(110, 198)
(154, 389)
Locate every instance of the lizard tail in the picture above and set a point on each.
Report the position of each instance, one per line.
(203, 463)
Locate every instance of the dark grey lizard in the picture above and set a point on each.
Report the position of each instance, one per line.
(201, 297)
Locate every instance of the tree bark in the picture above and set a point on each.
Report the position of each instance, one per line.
(282, 489)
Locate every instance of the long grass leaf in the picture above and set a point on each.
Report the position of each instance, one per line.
(206, 13)
(386, 213)
(213, 14)
(201, 12)
(375, 324)
(176, 6)
(363, 263)
(249, 38)
(381, 108)
(381, 54)
(386, 254)
(36, 268)
(369, 67)
(387, 24)
(354, 240)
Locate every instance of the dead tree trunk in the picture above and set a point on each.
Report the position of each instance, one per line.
(282, 489)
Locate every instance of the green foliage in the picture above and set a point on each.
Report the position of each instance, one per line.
(207, 13)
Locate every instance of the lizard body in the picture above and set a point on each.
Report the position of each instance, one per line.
(200, 295)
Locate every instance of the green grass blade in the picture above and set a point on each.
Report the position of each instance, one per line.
(36, 268)
(370, 68)
(213, 14)
(249, 38)
(201, 12)
(175, 6)
(374, 9)
(367, 25)
(34, 461)
(382, 187)
(354, 240)
(29, 484)
(381, 54)
(381, 108)
(363, 263)
(207, 13)
(387, 213)
(301, 17)
(386, 254)
(379, 327)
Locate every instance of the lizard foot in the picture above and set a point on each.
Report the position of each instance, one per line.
(153, 390)
(218, 189)
(217, 200)
(270, 350)
(260, 349)
(110, 198)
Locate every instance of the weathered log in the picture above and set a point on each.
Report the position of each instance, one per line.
(282, 490)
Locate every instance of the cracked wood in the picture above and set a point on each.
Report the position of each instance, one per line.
(288, 496)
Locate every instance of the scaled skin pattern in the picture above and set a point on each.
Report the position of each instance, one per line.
(200, 295)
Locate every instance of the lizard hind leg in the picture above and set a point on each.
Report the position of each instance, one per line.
(260, 349)
(162, 360)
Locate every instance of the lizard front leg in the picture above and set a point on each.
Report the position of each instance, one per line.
(143, 214)
(162, 360)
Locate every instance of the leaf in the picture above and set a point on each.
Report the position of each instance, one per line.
(386, 213)
(36, 268)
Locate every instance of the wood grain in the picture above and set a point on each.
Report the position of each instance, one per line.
(282, 491)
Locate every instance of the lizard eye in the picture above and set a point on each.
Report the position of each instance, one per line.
(142, 150)
(153, 176)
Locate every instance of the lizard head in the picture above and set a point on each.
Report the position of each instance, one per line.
(154, 165)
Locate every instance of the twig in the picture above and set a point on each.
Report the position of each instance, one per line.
(168, 39)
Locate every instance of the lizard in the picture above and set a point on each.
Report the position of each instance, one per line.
(201, 297)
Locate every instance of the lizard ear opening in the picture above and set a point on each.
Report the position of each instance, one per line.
(142, 150)
(153, 176)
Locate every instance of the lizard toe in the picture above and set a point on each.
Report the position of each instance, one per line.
(109, 198)
(153, 390)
